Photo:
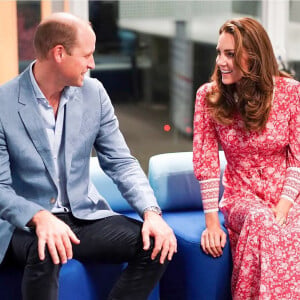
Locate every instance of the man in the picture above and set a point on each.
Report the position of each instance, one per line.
(51, 116)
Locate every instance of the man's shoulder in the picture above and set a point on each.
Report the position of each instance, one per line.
(9, 93)
(12, 87)
(92, 83)
(8, 85)
(93, 87)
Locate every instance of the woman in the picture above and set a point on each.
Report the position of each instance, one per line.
(252, 110)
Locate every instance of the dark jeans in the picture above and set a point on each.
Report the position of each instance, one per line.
(113, 239)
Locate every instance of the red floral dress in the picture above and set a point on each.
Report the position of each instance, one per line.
(261, 168)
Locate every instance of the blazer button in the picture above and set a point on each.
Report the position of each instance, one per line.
(52, 200)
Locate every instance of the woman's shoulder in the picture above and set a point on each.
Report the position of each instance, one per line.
(205, 88)
(288, 93)
(287, 83)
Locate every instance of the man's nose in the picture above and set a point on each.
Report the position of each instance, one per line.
(91, 64)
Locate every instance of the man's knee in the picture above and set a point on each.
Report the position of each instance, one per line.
(24, 247)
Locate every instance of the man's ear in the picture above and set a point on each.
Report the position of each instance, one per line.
(58, 53)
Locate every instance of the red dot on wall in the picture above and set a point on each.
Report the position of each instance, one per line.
(188, 130)
(167, 127)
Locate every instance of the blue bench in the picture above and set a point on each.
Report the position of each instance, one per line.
(191, 275)
(80, 281)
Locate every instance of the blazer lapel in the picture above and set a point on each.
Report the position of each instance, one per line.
(73, 118)
(32, 120)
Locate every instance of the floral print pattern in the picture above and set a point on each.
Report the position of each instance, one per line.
(262, 167)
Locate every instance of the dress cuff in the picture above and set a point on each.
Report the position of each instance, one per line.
(210, 194)
(287, 198)
(206, 211)
(291, 186)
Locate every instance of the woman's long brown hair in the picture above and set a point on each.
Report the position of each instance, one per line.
(255, 88)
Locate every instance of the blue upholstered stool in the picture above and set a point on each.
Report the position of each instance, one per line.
(191, 275)
(80, 281)
(77, 282)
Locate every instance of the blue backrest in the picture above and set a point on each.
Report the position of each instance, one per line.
(107, 188)
(172, 178)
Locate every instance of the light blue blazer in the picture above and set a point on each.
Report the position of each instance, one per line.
(27, 175)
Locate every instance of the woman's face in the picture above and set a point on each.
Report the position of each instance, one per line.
(225, 59)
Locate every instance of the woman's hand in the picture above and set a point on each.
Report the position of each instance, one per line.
(213, 238)
(281, 211)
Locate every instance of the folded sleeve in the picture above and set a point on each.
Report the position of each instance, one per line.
(205, 152)
(291, 188)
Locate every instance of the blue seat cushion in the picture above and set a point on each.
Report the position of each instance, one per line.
(80, 281)
(192, 274)
(77, 281)
(172, 178)
(107, 187)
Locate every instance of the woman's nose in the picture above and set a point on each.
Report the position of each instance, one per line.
(220, 60)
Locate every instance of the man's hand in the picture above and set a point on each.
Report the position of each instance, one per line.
(164, 238)
(55, 234)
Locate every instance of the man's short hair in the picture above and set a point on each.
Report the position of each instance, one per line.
(52, 33)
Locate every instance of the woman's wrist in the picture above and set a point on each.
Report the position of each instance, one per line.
(284, 205)
(212, 219)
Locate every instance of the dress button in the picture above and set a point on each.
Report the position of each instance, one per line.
(52, 200)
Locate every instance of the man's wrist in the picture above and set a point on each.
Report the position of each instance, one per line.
(154, 209)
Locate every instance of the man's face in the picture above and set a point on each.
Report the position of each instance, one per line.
(81, 58)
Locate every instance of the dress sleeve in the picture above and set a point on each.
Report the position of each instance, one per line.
(205, 153)
(291, 188)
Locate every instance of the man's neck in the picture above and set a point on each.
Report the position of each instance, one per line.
(48, 84)
(47, 81)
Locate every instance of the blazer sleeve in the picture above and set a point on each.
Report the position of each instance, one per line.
(13, 208)
(116, 160)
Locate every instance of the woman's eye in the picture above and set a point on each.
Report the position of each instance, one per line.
(230, 54)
